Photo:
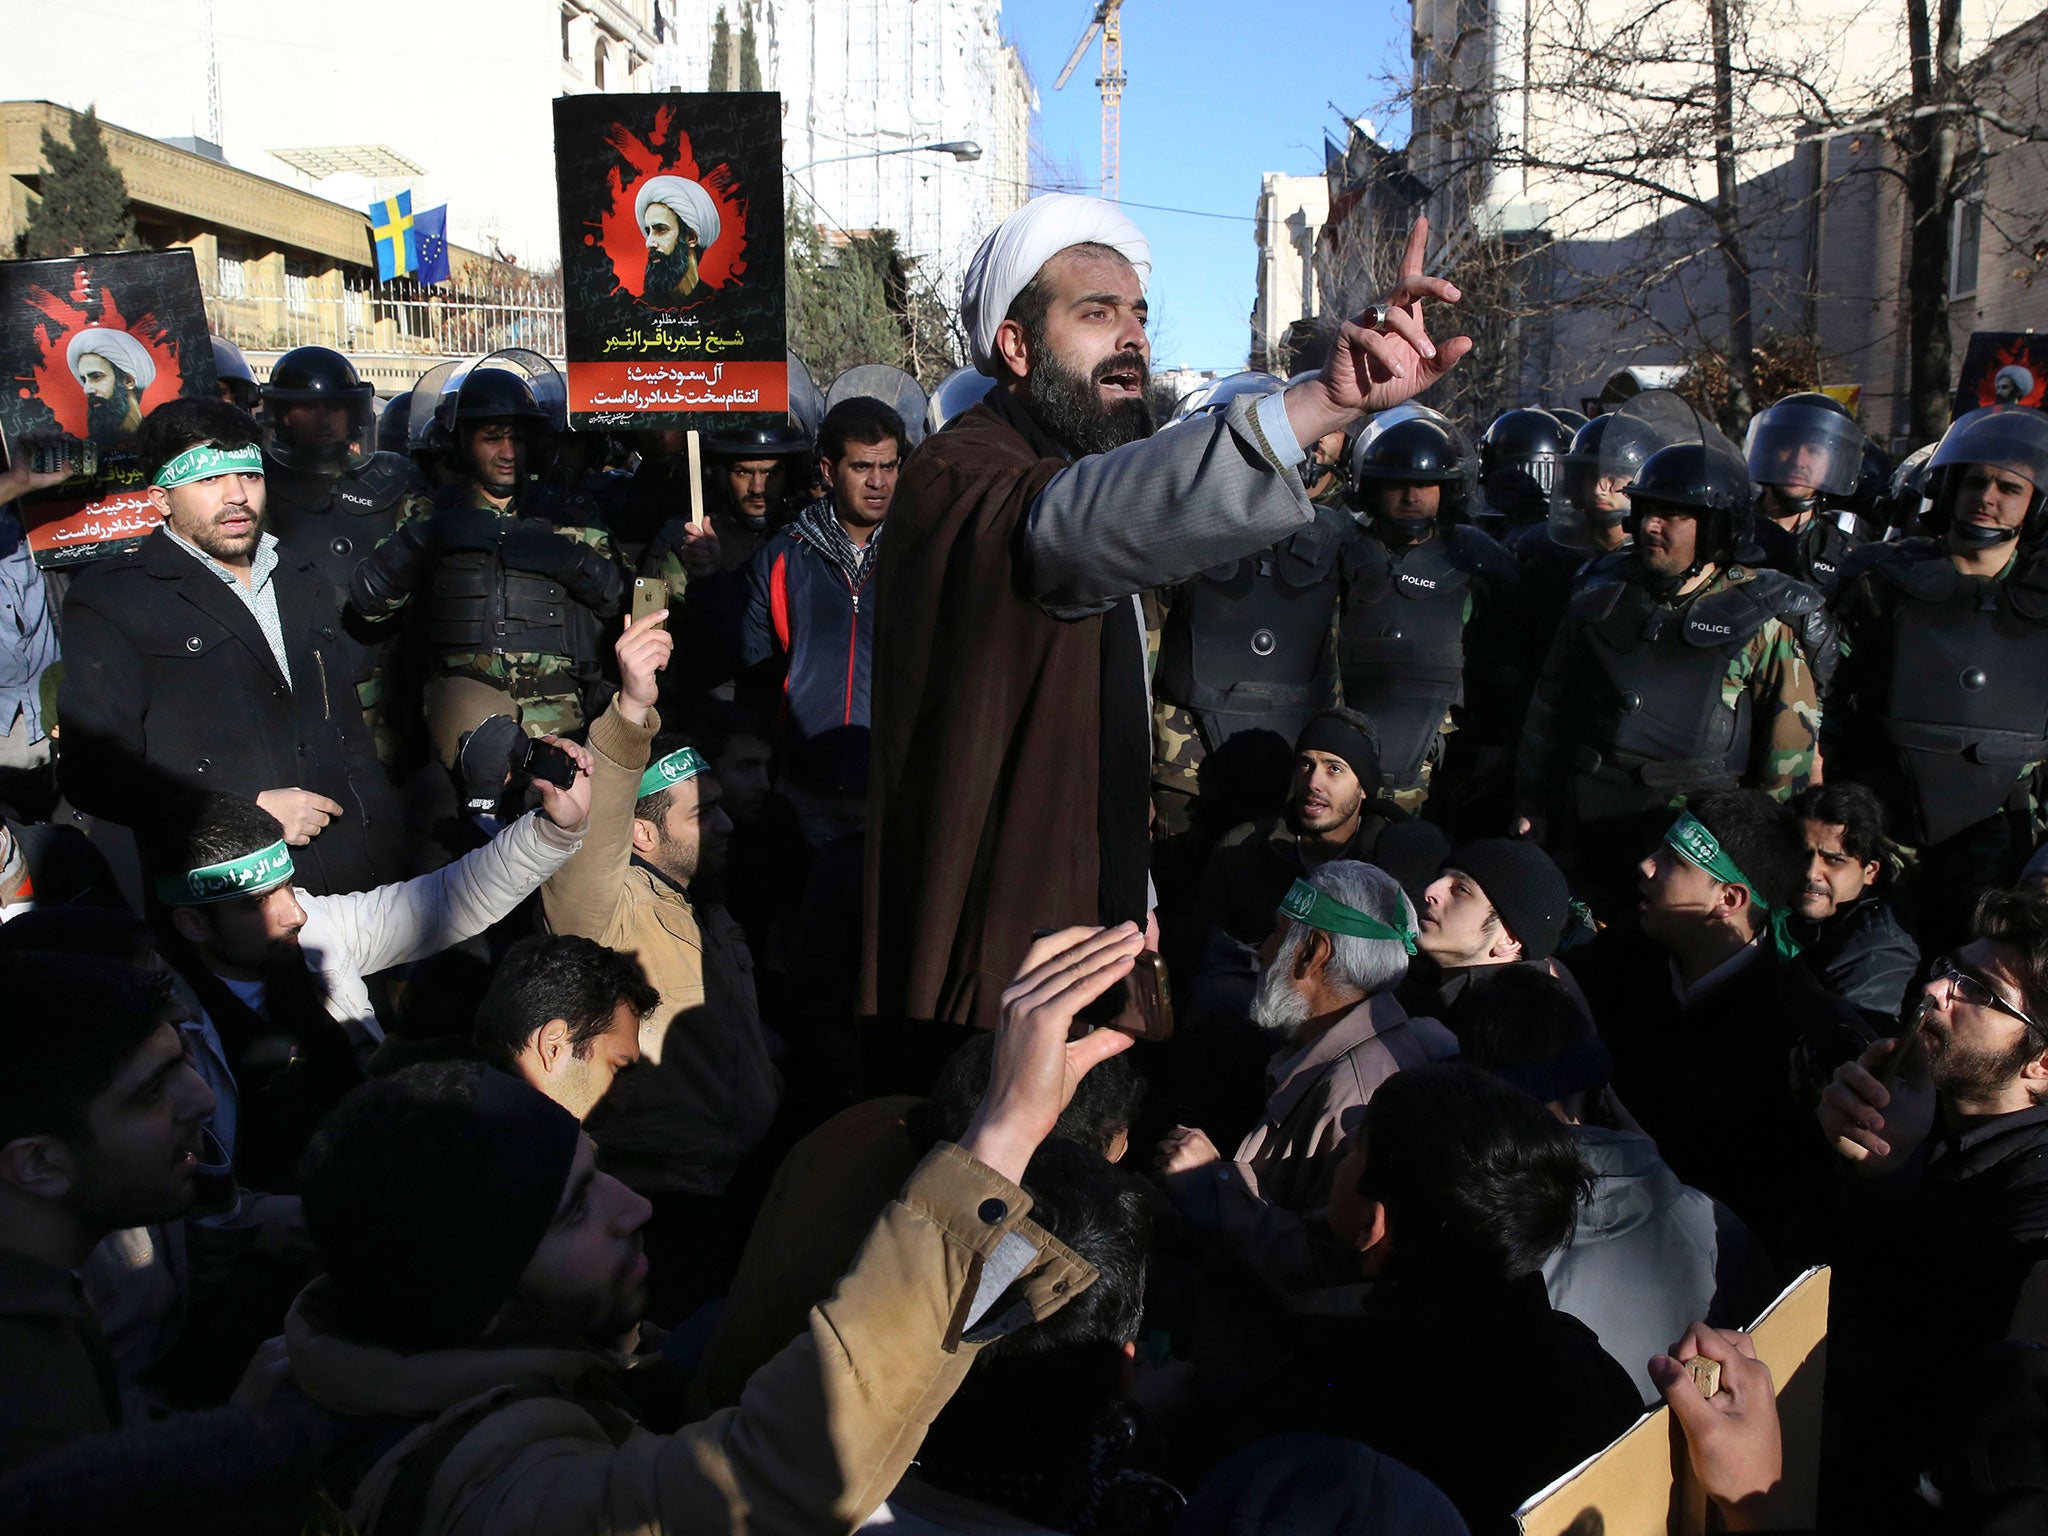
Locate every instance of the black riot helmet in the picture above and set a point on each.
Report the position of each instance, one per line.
(2012, 438)
(1606, 454)
(394, 424)
(782, 438)
(1705, 480)
(485, 395)
(237, 382)
(319, 416)
(769, 440)
(1519, 458)
(1421, 448)
(1806, 440)
(1571, 419)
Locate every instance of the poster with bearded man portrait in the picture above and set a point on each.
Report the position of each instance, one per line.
(91, 345)
(672, 258)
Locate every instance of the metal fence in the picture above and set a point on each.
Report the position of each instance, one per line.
(262, 307)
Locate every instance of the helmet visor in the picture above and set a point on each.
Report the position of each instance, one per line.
(320, 432)
(2013, 438)
(1804, 445)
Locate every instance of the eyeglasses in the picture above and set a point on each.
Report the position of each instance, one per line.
(1976, 991)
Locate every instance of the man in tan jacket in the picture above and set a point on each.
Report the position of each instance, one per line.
(484, 1285)
(679, 1125)
(1340, 945)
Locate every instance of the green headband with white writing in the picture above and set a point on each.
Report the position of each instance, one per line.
(1305, 904)
(1700, 847)
(683, 764)
(250, 875)
(203, 461)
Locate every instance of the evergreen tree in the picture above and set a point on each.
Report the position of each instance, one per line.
(721, 53)
(839, 310)
(750, 61)
(84, 204)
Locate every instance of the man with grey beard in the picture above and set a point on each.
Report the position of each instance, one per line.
(1340, 945)
(1011, 745)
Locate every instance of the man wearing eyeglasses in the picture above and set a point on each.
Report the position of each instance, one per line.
(1950, 1206)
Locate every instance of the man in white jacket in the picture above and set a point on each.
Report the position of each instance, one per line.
(279, 974)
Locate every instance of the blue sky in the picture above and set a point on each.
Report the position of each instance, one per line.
(1211, 104)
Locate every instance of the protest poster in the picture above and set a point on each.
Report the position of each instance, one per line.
(672, 258)
(1642, 1485)
(2003, 368)
(91, 345)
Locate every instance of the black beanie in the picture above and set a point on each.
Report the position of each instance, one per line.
(1526, 888)
(427, 1192)
(1330, 732)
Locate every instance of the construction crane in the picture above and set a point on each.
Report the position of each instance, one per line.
(1110, 82)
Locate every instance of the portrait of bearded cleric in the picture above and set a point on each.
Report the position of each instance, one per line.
(680, 222)
(113, 370)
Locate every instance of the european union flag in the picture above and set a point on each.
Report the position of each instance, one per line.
(431, 226)
(391, 228)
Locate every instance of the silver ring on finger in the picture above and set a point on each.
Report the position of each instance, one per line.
(1376, 317)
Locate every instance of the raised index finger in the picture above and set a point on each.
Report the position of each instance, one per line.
(1418, 248)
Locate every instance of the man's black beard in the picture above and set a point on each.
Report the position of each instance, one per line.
(1071, 407)
(670, 277)
(104, 419)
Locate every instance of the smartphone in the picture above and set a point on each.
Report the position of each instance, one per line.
(1905, 1052)
(648, 597)
(1148, 1014)
(544, 760)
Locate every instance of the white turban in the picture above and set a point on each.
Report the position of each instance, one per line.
(118, 348)
(2021, 379)
(690, 203)
(1026, 241)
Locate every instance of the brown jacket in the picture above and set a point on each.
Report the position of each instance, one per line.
(1268, 1199)
(705, 1092)
(535, 1441)
(56, 1378)
(987, 720)
(991, 591)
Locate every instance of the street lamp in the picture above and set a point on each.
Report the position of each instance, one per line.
(963, 150)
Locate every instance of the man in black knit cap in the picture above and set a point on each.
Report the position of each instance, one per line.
(1500, 902)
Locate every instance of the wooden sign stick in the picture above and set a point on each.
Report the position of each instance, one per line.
(696, 480)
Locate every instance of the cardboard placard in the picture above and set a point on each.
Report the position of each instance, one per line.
(1642, 1485)
(91, 345)
(672, 258)
(2003, 368)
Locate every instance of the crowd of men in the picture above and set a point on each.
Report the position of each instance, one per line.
(1024, 969)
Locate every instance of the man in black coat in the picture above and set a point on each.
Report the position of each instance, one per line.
(1853, 941)
(1456, 1190)
(1722, 1042)
(203, 662)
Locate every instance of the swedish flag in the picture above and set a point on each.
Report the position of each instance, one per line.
(398, 250)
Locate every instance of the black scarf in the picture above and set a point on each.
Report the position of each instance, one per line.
(1124, 763)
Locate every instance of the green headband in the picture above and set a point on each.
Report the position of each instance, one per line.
(682, 764)
(1305, 904)
(1700, 847)
(250, 875)
(202, 461)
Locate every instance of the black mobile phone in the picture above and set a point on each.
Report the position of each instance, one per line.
(539, 759)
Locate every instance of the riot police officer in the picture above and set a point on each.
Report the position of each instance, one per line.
(1244, 646)
(1519, 458)
(333, 497)
(513, 599)
(757, 478)
(1420, 589)
(237, 383)
(1941, 706)
(1588, 521)
(1682, 671)
(1806, 458)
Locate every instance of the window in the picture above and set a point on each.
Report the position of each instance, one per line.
(1966, 239)
(568, 56)
(597, 66)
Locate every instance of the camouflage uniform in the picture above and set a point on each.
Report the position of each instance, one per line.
(545, 689)
(1577, 771)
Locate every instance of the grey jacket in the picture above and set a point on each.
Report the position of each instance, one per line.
(1651, 1256)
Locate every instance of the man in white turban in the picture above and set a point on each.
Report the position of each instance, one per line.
(1011, 749)
(2012, 384)
(113, 369)
(680, 221)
